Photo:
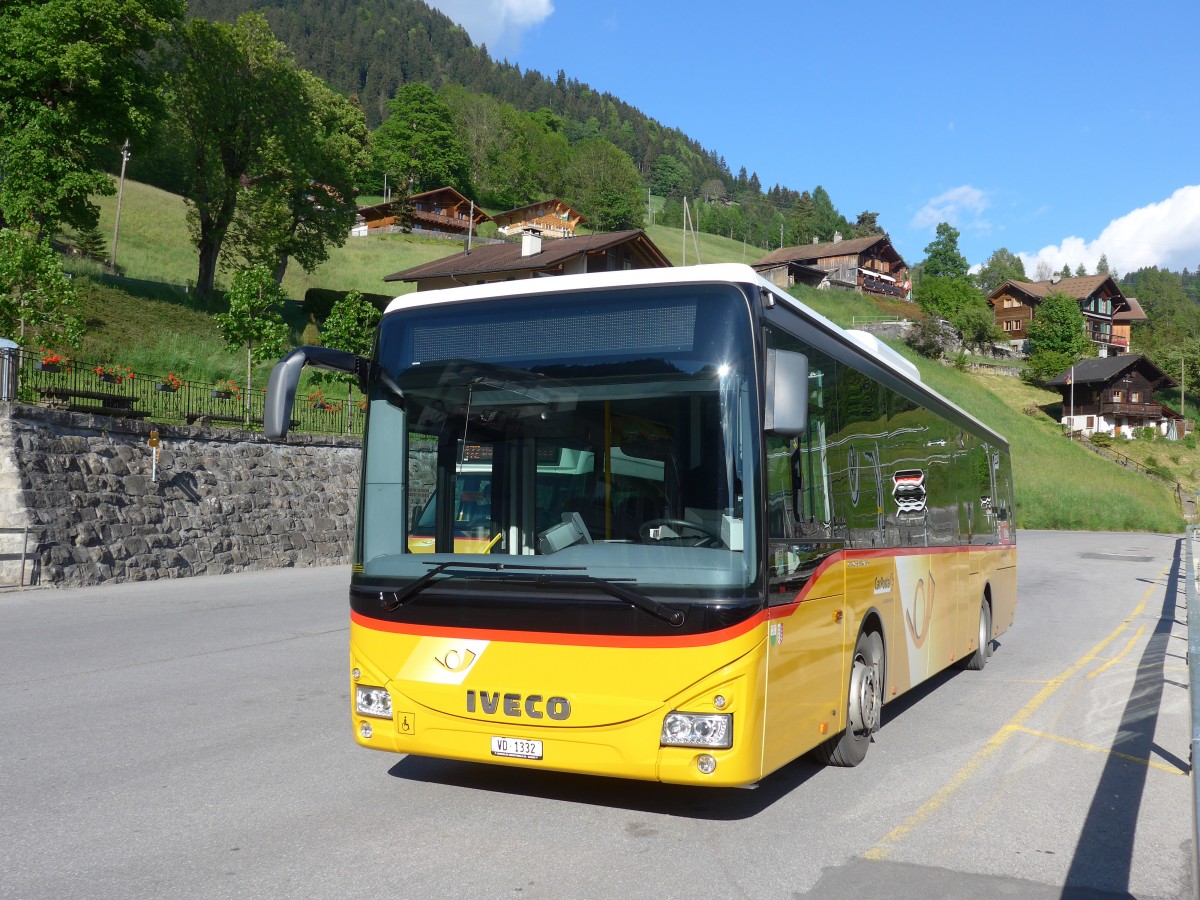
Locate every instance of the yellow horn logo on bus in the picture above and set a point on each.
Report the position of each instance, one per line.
(455, 661)
(925, 605)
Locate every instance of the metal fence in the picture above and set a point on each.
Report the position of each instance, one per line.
(1193, 621)
(118, 391)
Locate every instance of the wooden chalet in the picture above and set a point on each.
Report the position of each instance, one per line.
(555, 218)
(1115, 395)
(533, 258)
(868, 264)
(442, 211)
(1108, 314)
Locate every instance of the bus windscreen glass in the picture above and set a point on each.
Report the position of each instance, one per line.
(607, 433)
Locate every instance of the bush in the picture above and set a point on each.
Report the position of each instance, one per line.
(1189, 441)
(319, 302)
(1100, 439)
(926, 337)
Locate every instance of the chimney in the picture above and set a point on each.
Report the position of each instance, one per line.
(837, 237)
(531, 240)
(1055, 279)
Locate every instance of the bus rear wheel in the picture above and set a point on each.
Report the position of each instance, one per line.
(863, 707)
(983, 649)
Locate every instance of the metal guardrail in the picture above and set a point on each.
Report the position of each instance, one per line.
(855, 321)
(23, 556)
(1193, 605)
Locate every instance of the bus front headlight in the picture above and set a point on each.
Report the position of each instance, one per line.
(696, 730)
(372, 701)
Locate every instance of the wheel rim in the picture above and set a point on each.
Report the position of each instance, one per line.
(984, 637)
(865, 696)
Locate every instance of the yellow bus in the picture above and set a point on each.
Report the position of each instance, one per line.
(710, 530)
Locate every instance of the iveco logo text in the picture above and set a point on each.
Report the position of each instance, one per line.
(557, 708)
(883, 585)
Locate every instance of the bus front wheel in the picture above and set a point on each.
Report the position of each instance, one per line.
(863, 706)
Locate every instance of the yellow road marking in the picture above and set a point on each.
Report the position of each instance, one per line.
(1108, 751)
(1120, 656)
(883, 849)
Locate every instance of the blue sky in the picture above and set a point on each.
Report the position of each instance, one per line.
(1059, 130)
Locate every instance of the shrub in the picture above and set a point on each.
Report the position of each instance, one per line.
(926, 337)
(1100, 439)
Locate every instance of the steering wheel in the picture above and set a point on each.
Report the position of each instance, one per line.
(708, 538)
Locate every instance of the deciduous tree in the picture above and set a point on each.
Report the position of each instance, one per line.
(350, 326)
(417, 144)
(254, 320)
(74, 82)
(301, 202)
(38, 304)
(603, 184)
(1001, 266)
(231, 86)
(1056, 338)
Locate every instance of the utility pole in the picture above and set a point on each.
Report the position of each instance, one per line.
(120, 197)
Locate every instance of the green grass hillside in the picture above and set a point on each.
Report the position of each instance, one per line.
(154, 327)
(155, 245)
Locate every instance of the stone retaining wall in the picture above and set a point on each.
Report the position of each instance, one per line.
(222, 501)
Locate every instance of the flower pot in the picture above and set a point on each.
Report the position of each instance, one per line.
(108, 379)
(167, 388)
(221, 395)
(48, 367)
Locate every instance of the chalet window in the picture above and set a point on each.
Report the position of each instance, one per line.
(1091, 421)
(1118, 396)
(1135, 397)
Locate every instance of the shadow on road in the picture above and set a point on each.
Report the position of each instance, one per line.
(724, 804)
(1104, 854)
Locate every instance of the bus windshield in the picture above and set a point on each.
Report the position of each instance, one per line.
(609, 433)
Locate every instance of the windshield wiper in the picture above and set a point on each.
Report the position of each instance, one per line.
(633, 598)
(393, 600)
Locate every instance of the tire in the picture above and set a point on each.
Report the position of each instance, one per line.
(979, 658)
(863, 705)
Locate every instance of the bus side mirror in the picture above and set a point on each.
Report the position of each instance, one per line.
(281, 389)
(787, 393)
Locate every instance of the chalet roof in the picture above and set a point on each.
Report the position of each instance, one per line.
(1102, 370)
(516, 215)
(1079, 288)
(448, 195)
(814, 252)
(506, 257)
(1134, 313)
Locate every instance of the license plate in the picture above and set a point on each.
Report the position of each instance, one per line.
(516, 747)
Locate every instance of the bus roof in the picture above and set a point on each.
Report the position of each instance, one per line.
(861, 342)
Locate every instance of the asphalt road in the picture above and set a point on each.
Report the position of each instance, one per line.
(191, 739)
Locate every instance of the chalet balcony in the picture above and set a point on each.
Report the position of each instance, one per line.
(1096, 336)
(459, 222)
(883, 288)
(1132, 410)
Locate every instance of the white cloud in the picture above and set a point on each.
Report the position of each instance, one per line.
(962, 207)
(497, 23)
(1165, 234)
